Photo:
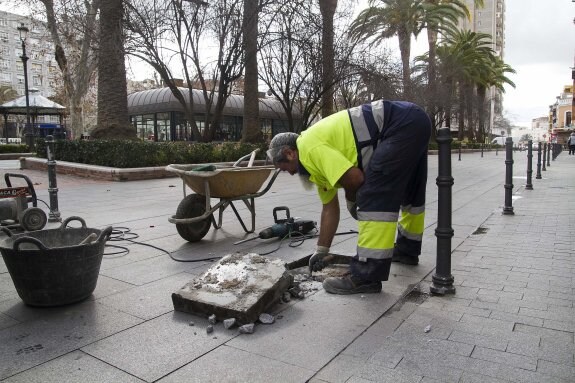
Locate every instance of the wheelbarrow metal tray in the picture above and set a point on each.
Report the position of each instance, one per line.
(224, 182)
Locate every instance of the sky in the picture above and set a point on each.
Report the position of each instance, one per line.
(539, 45)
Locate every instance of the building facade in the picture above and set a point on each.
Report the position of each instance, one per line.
(42, 68)
(561, 116)
(489, 19)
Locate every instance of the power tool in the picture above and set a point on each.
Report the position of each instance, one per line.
(284, 227)
(14, 210)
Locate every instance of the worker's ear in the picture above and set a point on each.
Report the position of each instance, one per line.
(291, 154)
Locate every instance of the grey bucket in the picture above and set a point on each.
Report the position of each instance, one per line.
(56, 266)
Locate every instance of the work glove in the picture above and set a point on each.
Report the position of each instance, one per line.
(316, 262)
(352, 208)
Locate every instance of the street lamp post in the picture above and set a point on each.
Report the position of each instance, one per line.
(29, 136)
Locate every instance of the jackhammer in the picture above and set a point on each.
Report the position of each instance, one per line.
(284, 227)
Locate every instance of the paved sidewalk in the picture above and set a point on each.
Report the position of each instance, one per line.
(511, 318)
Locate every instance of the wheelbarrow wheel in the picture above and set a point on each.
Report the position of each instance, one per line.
(193, 205)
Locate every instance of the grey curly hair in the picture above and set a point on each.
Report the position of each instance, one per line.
(280, 142)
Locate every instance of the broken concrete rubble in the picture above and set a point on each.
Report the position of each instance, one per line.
(240, 286)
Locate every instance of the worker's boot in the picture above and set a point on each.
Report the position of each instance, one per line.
(350, 284)
(401, 257)
(364, 277)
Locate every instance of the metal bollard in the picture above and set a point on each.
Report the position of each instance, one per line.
(497, 150)
(442, 280)
(459, 152)
(544, 156)
(481, 150)
(529, 185)
(548, 154)
(508, 208)
(54, 215)
(538, 175)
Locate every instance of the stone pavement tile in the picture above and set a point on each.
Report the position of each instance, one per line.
(507, 358)
(566, 315)
(438, 366)
(159, 346)
(3, 268)
(488, 322)
(380, 374)
(492, 342)
(75, 367)
(56, 332)
(498, 294)
(519, 375)
(228, 364)
(400, 311)
(468, 377)
(373, 338)
(316, 329)
(109, 286)
(555, 369)
(420, 321)
(6, 321)
(559, 325)
(115, 257)
(545, 350)
(148, 270)
(545, 333)
(341, 368)
(516, 318)
(7, 289)
(495, 306)
(150, 300)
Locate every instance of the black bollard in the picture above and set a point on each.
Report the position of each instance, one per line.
(54, 215)
(529, 185)
(544, 156)
(538, 175)
(497, 149)
(508, 208)
(549, 154)
(481, 150)
(442, 280)
(459, 152)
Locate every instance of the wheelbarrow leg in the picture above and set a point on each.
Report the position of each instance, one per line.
(253, 214)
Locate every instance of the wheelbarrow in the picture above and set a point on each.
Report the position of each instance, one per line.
(229, 184)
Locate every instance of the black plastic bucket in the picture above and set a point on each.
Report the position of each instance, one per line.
(55, 267)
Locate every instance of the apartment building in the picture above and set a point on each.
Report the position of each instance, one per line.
(489, 19)
(42, 68)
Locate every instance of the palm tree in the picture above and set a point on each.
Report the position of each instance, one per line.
(462, 57)
(493, 75)
(401, 18)
(440, 15)
(251, 128)
(327, 9)
(113, 120)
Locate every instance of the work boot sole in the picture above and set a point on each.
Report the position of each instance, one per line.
(370, 288)
(405, 259)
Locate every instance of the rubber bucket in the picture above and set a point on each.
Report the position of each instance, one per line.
(57, 266)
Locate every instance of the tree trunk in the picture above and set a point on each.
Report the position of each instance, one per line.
(405, 51)
(327, 9)
(113, 120)
(251, 126)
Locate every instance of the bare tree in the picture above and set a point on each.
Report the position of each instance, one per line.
(113, 120)
(327, 8)
(173, 38)
(72, 25)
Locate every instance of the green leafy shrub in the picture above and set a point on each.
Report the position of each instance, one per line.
(13, 148)
(136, 154)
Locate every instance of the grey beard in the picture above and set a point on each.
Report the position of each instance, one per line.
(306, 183)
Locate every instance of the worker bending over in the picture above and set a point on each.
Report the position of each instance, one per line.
(377, 153)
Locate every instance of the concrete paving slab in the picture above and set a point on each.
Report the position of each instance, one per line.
(148, 301)
(56, 332)
(240, 286)
(75, 367)
(159, 346)
(228, 364)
